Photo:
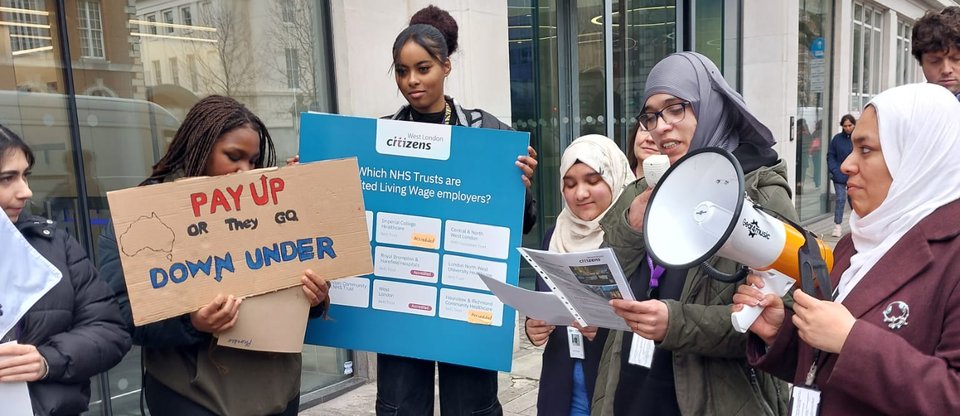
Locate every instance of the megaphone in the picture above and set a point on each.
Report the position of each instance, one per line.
(700, 209)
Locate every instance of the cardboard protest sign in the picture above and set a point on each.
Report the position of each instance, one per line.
(444, 203)
(244, 234)
(272, 322)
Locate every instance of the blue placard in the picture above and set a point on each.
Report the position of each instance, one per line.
(817, 47)
(442, 204)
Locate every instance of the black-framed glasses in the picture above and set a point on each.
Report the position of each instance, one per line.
(670, 114)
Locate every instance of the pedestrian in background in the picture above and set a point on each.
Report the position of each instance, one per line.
(840, 148)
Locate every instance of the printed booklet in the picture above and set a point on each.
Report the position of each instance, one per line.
(582, 286)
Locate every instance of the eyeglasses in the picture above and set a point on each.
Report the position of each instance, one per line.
(670, 114)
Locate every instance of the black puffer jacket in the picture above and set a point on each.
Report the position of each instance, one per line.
(76, 326)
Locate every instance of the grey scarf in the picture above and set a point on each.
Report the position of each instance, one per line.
(722, 116)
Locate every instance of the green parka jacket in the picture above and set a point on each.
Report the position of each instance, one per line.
(710, 371)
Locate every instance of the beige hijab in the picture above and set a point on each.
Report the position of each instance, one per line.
(603, 156)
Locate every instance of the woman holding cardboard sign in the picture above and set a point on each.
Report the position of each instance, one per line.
(185, 372)
(890, 342)
(73, 331)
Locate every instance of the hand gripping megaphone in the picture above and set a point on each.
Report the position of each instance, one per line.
(700, 209)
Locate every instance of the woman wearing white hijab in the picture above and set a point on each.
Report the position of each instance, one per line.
(890, 342)
(593, 172)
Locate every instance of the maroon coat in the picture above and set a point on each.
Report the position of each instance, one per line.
(913, 370)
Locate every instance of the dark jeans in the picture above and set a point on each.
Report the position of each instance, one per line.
(405, 388)
(841, 189)
(162, 401)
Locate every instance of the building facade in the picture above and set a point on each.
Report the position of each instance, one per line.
(98, 89)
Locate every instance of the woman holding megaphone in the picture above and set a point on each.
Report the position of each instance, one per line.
(890, 342)
(694, 363)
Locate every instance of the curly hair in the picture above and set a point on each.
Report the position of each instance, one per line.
(208, 120)
(936, 32)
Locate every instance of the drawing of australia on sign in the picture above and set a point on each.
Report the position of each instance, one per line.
(147, 233)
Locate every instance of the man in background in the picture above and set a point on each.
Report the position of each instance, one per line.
(936, 45)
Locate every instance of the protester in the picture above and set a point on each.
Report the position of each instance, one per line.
(640, 146)
(936, 45)
(75, 330)
(421, 63)
(840, 148)
(593, 173)
(185, 372)
(890, 342)
(698, 366)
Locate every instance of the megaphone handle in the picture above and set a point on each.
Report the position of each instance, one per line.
(725, 277)
(776, 283)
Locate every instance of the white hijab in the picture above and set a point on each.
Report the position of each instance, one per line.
(603, 156)
(919, 127)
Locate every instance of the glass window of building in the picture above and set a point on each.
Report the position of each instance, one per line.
(168, 21)
(124, 115)
(906, 64)
(867, 51)
(152, 24)
(186, 18)
(26, 21)
(91, 31)
(813, 120)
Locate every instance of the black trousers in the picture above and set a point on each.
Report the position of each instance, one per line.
(162, 401)
(405, 388)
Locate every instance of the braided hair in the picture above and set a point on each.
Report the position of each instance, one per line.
(208, 120)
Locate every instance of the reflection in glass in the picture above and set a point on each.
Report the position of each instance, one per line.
(644, 32)
(135, 72)
(814, 125)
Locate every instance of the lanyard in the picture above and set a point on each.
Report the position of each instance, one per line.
(656, 271)
(812, 374)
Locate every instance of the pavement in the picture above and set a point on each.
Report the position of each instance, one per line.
(517, 389)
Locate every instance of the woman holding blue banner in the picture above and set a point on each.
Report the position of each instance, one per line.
(74, 330)
(421, 63)
(185, 372)
(594, 172)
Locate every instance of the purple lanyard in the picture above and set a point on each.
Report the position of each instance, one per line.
(655, 272)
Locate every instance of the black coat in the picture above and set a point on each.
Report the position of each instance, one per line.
(556, 372)
(76, 326)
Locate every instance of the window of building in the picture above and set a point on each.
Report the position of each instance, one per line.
(91, 29)
(157, 75)
(293, 68)
(867, 47)
(33, 31)
(906, 64)
(186, 16)
(174, 71)
(168, 19)
(152, 27)
(288, 11)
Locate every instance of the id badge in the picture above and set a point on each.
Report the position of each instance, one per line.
(575, 342)
(805, 401)
(641, 351)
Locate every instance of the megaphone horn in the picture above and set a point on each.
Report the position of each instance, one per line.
(699, 209)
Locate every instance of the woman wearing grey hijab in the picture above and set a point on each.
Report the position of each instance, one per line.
(698, 365)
